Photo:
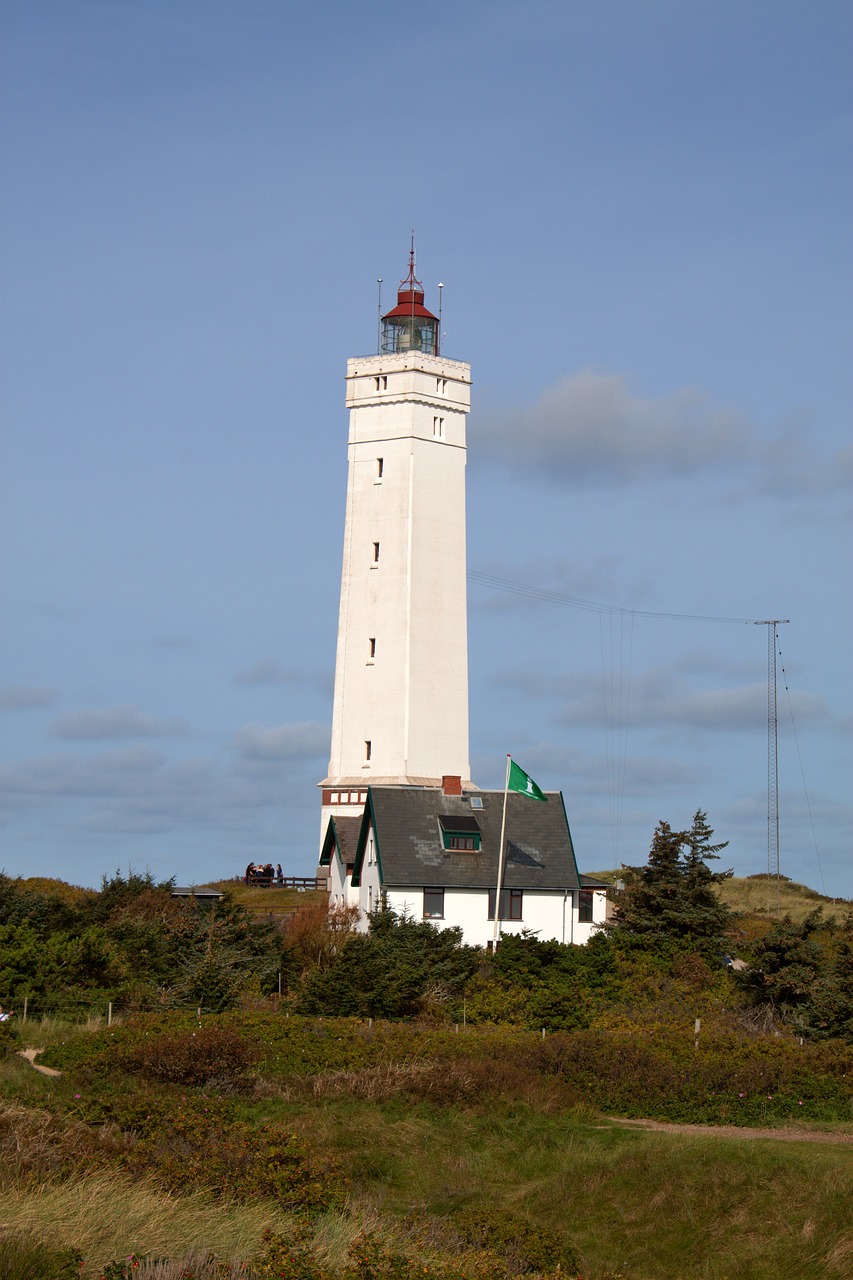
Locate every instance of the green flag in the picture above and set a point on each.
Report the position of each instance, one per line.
(521, 781)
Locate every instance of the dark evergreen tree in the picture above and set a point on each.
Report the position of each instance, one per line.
(673, 898)
(804, 971)
(403, 967)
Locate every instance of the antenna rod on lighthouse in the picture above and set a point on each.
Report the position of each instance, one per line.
(379, 317)
(773, 869)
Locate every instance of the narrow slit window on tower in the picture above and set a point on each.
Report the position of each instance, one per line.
(376, 553)
(368, 749)
(371, 648)
(438, 427)
(380, 468)
(384, 383)
(376, 384)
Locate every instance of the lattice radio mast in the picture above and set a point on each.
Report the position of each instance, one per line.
(773, 869)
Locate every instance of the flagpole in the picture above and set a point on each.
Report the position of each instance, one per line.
(501, 860)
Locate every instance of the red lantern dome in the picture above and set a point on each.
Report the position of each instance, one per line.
(409, 326)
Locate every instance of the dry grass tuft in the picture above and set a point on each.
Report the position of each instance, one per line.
(35, 1144)
(108, 1216)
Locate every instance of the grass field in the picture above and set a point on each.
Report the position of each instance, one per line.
(416, 1145)
(750, 894)
(646, 1205)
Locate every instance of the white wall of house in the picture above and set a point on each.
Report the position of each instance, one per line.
(551, 914)
(582, 930)
(341, 892)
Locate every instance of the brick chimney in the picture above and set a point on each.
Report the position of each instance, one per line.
(451, 784)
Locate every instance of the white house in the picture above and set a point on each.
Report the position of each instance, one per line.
(432, 853)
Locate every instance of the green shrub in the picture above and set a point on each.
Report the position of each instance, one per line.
(10, 1039)
(526, 1248)
(209, 1055)
(193, 1146)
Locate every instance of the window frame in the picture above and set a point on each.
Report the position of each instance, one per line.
(513, 899)
(435, 891)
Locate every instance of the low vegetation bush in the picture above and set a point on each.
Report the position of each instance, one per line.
(630, 1068)
(211, 1054)
(526, 1247)
(728, 1080)
(474, 1246)
(10, 1039)
(194, 1144)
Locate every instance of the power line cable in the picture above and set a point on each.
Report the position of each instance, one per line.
(593, 606)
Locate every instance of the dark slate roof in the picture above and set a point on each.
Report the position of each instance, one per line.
(407, 825)
(592, 882)
(343, 833)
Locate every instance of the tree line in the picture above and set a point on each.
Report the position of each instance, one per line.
(664, 952)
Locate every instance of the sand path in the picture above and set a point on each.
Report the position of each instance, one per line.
(788, 1134)
(31, 1055)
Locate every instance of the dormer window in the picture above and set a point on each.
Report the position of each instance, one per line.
(459, 833)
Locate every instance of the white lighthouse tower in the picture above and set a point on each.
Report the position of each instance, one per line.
(401, 675)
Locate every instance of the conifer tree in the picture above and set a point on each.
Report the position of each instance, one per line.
(673, 897)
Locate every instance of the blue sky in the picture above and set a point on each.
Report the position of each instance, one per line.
(640, 210)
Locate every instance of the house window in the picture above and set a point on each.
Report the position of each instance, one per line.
(368, 748)
(376, 553)
(433, 904)
(511, 902)
(370, 897)
(459, 832)
(585, 906)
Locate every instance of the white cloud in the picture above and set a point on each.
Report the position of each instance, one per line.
(26, 697)
(591, 428)
(282, 742)
(138, 790)
(661, 697)
(115, 722)
(111, 773)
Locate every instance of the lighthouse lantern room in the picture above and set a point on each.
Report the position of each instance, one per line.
(409, 326)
